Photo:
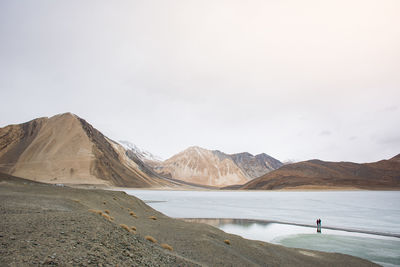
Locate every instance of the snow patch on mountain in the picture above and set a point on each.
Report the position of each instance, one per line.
(141, 154)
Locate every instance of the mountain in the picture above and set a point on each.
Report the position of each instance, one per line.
(67, 149)
(317, 174)
(202, 166)
(215, 168)
(143, 155)
(255, 166)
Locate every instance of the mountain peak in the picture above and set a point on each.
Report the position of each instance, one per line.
(65, 114)
(67, 149)
(140, 153)
(215, 168)
(201, 166)
(244, 154)
(195, 148)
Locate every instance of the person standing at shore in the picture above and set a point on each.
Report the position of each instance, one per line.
(318, 225)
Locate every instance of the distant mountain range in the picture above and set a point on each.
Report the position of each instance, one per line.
(215, 168)
(67, 149)
(317, 174)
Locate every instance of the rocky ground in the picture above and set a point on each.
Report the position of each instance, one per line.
(51, 225)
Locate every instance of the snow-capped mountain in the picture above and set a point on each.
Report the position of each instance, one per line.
(143, 155)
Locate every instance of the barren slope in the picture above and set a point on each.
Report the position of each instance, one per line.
(255, 166)
(51, 225)
(202, 166)
(67, 149)
(215, 168)
(318, 174)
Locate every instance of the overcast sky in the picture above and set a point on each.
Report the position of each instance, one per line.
(294, 79)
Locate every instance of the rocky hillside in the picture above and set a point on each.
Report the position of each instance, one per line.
(143, 155)
(317, 174)
(215, 168)
(255, 166)
(67, 149)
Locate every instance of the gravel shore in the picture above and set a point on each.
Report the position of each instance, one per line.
(44, 224)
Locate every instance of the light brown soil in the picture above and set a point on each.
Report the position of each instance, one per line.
(43, 224)
(67, 149)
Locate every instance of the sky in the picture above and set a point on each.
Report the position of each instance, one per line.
(297, 80)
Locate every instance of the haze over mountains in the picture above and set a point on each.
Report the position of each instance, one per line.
(67, 149)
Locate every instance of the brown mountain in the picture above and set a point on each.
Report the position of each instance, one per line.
(317, 174)
(215, 168)
(255, 166)
(67, 149)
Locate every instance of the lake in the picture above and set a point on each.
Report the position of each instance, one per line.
(360, 223)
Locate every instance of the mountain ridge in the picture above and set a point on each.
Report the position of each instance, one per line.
(383, 174)
(67, 149)
(215, 168)
(144, 155)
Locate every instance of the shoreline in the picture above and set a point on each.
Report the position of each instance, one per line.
(300, 224)
(288, 189)
(246, 190)
(44, 224)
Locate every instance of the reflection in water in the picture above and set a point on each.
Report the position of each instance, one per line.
(221, 222)
(255, 229)
(352, 219)
(357, 244)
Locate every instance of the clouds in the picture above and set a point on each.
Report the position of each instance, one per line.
(325, 133)
(228, 75)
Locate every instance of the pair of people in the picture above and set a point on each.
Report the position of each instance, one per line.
(319, 226)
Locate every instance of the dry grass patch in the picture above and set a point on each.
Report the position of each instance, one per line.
(226, 241)
(166, 246)
(96, 211)
(150, 238)
(153, 218)
(106, 216)
(126, 227)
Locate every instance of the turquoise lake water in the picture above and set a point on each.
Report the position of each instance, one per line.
(288, 218)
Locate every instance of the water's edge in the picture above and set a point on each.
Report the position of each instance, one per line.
(296, 224)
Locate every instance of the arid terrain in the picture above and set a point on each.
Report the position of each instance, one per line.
(44, 224)
(66, 149)
(319, 175)
(215, 168)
